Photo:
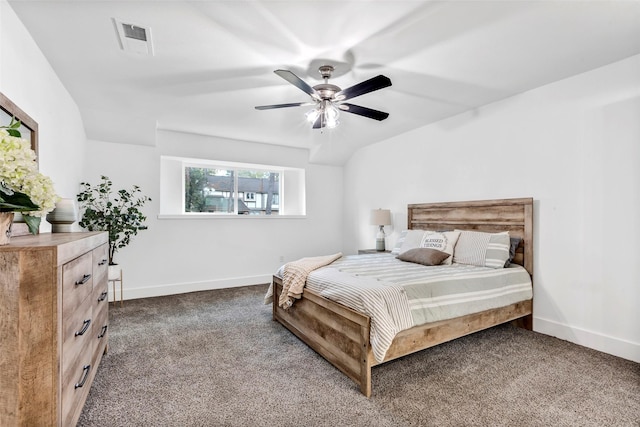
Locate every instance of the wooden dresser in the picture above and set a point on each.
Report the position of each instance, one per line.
(53, 325)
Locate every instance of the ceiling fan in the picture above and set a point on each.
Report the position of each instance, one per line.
(329, 99)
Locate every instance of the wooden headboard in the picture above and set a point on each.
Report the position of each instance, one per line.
(512, 215)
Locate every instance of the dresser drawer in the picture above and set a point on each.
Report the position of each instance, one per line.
(77, 283)
(100, 296)
(77, 336)
(75, 388)
(100, 257)
(101, 321)
(77, 359)
(100, 335)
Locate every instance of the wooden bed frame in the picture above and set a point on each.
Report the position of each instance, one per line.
(341, 335)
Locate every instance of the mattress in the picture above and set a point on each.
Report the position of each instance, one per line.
(398, 295)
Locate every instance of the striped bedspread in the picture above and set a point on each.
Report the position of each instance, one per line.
(398, 295)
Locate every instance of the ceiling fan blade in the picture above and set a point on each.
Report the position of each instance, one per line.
(364, 111)
(366, 86)
(293, 104)
(298, 82)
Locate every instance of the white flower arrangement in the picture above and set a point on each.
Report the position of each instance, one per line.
(22, 187)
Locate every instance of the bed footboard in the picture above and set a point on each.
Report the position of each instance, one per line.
(428, 335)
(337, 333)
(341, 335)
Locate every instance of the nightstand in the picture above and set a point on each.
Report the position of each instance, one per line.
(371, 251)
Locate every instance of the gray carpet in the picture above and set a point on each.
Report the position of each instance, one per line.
(216, 358)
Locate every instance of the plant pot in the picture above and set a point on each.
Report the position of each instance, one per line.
(6, 220)
(115, 272)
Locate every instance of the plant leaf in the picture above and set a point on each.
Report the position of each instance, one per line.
(18, 201)
(33, 222)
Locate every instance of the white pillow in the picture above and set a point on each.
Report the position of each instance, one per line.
(482, 249)
(398, 245)
(411, 240)
(442, 241)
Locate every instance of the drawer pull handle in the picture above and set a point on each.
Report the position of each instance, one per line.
(85, 375)
(85, 326)
(84, 279)
(103, 296)
(103, 261)
(103, 332)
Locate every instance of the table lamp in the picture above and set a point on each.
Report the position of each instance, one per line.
(380, 217)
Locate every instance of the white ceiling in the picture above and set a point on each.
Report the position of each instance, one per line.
(214, 61)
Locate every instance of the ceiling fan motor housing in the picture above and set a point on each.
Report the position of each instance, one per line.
(326, 90)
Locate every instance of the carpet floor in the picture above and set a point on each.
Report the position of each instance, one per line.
(216, 358)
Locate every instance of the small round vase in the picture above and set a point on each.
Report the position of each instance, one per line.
(63, 216)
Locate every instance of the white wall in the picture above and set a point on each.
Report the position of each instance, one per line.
(29, 81)
(183, 255)
(574, 146)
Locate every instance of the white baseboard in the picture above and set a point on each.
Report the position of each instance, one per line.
(597, 341)
(182, 288)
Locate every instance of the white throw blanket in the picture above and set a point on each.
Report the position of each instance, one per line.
(294, 277)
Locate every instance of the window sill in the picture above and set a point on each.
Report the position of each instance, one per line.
(220, 216)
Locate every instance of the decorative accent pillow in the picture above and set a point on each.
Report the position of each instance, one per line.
(424, 256)
(482, 249)
(398, 245)
(444, 242)
(411, 240)
(515, 242)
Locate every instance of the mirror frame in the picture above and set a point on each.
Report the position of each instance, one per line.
(14, 111)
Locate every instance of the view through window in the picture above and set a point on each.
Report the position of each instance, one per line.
(231, 191)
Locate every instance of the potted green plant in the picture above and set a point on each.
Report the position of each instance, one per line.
(118, 212)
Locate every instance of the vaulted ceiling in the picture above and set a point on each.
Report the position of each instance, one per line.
(213, 61)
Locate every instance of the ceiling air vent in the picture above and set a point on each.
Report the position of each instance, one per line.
(133, 38)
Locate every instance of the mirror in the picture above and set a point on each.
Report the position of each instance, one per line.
(29, 131)
(29, 127)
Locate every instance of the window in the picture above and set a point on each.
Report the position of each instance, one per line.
(231, 191)
(219, 188)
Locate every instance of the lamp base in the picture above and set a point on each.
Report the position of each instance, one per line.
(380, 240)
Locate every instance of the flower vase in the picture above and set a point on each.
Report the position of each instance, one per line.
(19, 227)
(63, 216)
(6, 220)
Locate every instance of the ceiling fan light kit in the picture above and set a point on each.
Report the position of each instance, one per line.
(326, 112)
(328, 98)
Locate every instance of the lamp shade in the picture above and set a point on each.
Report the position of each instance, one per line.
(380, 217)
